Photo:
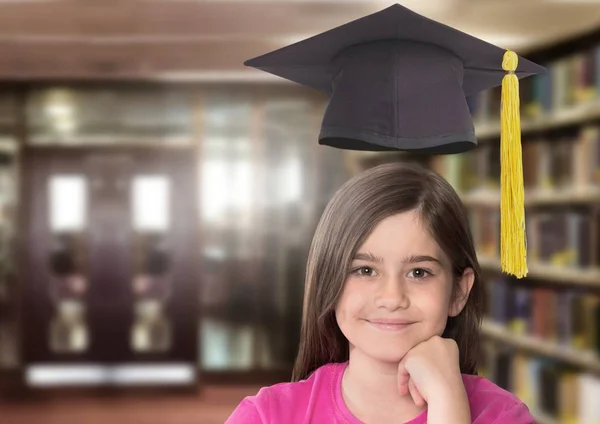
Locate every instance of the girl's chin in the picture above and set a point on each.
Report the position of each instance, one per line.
(390, 356)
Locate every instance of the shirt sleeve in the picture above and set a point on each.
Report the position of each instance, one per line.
(517, 414)
(245, 413)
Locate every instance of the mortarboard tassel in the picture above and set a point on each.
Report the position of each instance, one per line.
(513, 243)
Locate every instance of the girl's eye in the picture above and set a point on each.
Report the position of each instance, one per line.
(419, 273)
(364, 271)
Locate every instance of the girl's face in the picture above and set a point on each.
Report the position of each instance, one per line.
(398, 290)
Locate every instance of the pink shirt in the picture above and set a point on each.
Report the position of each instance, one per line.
(318, 399)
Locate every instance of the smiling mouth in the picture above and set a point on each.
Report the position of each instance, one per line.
(390, 325)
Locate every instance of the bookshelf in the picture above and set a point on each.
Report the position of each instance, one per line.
(576, 357)
(550, 274)
(542, 333)
(491, 198)
(572, 116)
(542, 418)
(550, 321)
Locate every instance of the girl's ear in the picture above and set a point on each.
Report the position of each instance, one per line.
(465, 283)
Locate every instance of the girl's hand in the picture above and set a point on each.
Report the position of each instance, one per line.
(430, 372)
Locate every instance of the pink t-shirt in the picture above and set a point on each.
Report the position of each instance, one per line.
(318, 399)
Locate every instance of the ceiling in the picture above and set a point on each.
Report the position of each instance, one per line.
(208, 40)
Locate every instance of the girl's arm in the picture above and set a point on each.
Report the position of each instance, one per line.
(450, 407)
(430, 372)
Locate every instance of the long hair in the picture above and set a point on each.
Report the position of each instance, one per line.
(355, 210)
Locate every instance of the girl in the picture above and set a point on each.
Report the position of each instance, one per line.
(392, 308)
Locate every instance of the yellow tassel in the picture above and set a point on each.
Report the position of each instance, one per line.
(513, 243)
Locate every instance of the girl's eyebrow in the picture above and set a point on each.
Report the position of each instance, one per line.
(410, 259)
(368, 257)
(421, 258)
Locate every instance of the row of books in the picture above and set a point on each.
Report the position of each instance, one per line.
(547, 387)
(565, 238)
(566, 316)
(569, 82)
(568, 239)
(568, 162)
(564, 162)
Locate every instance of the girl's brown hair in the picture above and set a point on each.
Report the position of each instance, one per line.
(355, 210)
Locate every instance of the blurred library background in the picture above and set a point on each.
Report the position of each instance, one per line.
(157, 202)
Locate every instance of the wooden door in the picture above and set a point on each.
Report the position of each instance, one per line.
(109, 266)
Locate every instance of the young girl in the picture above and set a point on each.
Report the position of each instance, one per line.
(392, 308)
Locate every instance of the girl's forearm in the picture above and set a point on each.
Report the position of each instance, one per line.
(449, 408)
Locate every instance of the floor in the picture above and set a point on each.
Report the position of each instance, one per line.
(212, 406)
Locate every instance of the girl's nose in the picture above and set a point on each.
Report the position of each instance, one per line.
(392, 294)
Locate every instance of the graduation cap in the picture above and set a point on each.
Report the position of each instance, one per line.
(397, 80)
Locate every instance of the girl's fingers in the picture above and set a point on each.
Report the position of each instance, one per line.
(416, 395)
(403, 379)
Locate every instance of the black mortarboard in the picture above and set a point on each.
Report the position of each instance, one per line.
(399, 81)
